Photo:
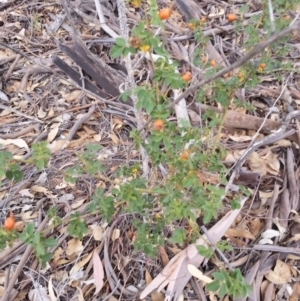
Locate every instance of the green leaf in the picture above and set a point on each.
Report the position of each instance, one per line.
(49, 242)
(9, 174)
(149, 106)
(218, 275)
(45, 258)
(36, 238)
(223, 290)
(116, 52)
(205, 251)
(120, 42)
(29, 229)
(24, 237)
(178, 236)
(18, 175)
(40, 249)
(207, 217)
(213, 286)
(77, 227)
(159, 190)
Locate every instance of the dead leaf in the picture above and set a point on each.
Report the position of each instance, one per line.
(255, 226)
(240, 138)
(51, 290)
(89, 131)
(78, 202)
(51, 112)
(41, 189)
(77, 267)
(265, 241)
(53, 132)
(257, 164)
(198, 274)
(25, 192)
(98, 233)
(148, 277)
(115, 235)
(239, 233)
(281, 273)
(272, 162)
(58, 145)
(282, 230)
(155, 296)
(2, 194)
(41, 114)
(71, 96)
(114, 138)
(19, 226)
(74, 247)
(296, 292)
(17, 142)
(38, 294)
(216, 13)
(57, 254)
(270, 233)
(296, 237)
(29, 215)
(97, 138)
(163, 255)
(98, 272)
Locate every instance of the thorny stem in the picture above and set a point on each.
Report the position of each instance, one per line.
(132, 84)
(256, 50)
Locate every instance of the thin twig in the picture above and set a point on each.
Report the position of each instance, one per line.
(11, 68)
(271, 16)
(20, 113)
(79, 122)
(103, 24)
(20, 133)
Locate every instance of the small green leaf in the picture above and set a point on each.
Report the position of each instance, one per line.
(9, 174)
(45, 258)
(213, 286)
(18, 175)
(40, 249)
(49, 242)
(120, 42)
(116, 52)
(24, 237)
(178, 236)
(207, 252)
(29, 229)
(223, 290)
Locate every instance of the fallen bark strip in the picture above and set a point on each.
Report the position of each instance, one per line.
(75, 76)
(236, 120)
